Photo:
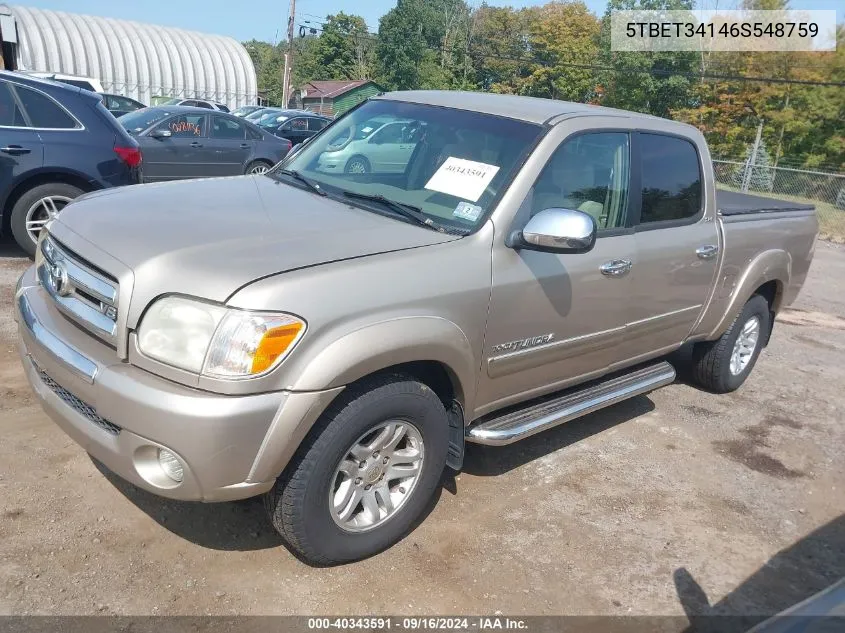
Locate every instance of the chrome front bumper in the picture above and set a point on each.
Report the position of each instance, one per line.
(121, 414)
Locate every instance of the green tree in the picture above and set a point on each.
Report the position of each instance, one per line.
(344, 50)
(650, 82)
(424, 42)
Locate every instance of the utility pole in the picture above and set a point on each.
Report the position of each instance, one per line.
(286, 80)
(752, 160)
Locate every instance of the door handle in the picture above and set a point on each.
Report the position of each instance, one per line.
(195, 144)
(615, 267)
(244, 145)
(15, 150)
(708, 251)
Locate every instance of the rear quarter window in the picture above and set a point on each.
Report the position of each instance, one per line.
(43, 111)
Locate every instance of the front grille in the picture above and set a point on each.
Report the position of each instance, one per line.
(80, 406)
(84, 294)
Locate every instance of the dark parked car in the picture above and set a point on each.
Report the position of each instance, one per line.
(183, 142)
(57, 142)
(294, 125)
(119, 105)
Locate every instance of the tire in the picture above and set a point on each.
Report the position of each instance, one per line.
(27, 209)
(712, 366)
(257, 167)
(300, 504)
(357, 165)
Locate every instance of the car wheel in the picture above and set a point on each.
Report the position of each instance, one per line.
(357, 165)
(367, 473)
(258, 167)
(35, 208)
(723, 365)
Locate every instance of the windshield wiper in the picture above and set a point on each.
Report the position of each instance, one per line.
(308, 183)
(405, 210)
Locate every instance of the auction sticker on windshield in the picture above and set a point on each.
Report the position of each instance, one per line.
(463, 178)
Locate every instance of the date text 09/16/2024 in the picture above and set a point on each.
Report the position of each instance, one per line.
(418, 623)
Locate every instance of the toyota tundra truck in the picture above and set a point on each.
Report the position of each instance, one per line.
(331, 333)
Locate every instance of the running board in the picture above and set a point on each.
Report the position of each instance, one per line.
(516, 425)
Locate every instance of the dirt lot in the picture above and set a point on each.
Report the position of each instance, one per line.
(676, 502)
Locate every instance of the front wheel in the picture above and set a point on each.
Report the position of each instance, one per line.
(724, 364)
(357, 165)
(372, 465)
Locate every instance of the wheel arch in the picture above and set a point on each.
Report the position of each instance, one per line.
(768, 275)
(36, 179)
(437, 354)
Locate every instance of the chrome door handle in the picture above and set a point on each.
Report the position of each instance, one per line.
(15, 150)
(708, 251)
(615, 267)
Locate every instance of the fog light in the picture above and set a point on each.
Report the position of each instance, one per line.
(170, 464)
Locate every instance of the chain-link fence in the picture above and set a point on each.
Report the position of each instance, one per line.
(825, 190)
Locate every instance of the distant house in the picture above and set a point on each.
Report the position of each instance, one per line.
(332, 97)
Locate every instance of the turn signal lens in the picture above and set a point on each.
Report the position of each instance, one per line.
(249, 343)
(274, 343)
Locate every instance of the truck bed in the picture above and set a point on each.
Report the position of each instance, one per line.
(735, 203)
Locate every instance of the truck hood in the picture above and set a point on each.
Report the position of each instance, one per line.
(208, 238)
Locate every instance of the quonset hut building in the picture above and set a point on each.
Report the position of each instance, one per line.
(134, 59)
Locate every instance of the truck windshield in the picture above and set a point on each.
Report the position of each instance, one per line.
(449, 164)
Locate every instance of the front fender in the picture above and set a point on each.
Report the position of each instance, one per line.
(353, 356)
(771, 265)
(392, 342)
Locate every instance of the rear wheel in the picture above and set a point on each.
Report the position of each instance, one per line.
(724, 364)
(258, 167)
(372, 465)
(35, 208)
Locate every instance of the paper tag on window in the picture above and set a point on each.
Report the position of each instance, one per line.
(463, 178)
(467, 211)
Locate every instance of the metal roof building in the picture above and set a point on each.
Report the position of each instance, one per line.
(136, 59)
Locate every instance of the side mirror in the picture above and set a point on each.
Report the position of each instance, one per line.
(161, 134)
(556, 231)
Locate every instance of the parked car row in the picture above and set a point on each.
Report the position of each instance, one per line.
(61, 140)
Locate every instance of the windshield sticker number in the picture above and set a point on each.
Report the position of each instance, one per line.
(467, 211)
(462, 178)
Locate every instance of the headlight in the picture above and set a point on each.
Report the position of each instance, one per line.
(214, 340)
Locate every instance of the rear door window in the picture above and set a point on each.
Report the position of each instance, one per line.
(223, 127)
(43, 112)
(315, 125)
(297, 125)
(671, 178)
(10, 113)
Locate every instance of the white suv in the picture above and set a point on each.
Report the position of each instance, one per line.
(197, 103)
(86, 83)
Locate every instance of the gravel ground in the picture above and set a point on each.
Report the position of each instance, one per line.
(678, 502)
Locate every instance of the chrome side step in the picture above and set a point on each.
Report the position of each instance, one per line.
(516, 425)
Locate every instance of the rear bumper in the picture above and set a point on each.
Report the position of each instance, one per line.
(122, 415)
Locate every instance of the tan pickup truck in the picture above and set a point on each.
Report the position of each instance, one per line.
(433, 268)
